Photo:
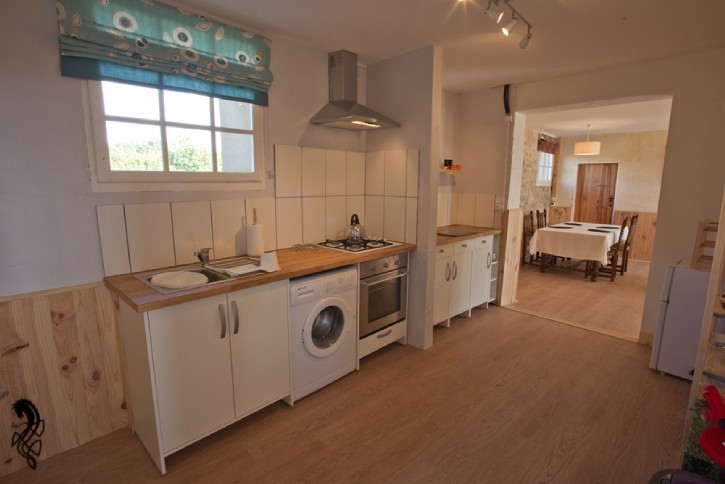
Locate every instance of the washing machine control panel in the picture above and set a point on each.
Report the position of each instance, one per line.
(321, 285)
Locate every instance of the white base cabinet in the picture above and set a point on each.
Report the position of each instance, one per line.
(196, 367)
(464, 277)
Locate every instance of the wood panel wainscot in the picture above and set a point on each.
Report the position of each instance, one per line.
(60, 350)
(641, 248)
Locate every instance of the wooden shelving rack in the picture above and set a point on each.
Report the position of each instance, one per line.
(710, 360)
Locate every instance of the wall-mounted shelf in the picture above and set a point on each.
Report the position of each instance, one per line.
(447, 170)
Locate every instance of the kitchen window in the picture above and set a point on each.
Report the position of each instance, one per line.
(545, 169)
(146, 138)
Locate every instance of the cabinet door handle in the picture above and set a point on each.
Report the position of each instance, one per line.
(488, 261)
(385, 333)
(223, 315)
(455, 270)
(448, 271)
(235, 309)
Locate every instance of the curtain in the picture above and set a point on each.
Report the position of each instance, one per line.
(547, 144)
(153, 44)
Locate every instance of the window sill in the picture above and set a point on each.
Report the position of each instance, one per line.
(109, 187)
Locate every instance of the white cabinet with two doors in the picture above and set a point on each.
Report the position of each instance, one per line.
(198, 366)
(465, 277)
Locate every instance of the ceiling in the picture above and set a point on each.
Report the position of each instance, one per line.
(569, 36)
(644, 114)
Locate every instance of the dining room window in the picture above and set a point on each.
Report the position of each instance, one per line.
(545, 169)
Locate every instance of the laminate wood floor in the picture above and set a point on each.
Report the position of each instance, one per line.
(563, 295)
(502, 397)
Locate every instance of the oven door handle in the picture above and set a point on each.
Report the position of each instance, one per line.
(371, 281)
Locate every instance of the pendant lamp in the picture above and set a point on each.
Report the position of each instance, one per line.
(584, 148)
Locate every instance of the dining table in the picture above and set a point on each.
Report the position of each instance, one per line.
(575, 240)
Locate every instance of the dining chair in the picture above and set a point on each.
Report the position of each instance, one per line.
(628, 243)
(528, 233)
(541, 219)
(613, 254)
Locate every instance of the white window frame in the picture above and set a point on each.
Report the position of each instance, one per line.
(545, 163)
(103, 179)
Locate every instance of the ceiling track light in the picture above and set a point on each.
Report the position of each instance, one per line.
(525, 40)
(494, 11)
(516, 17)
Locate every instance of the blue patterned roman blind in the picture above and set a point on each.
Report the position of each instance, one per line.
(149, 43)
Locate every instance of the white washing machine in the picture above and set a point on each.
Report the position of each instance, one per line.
(323, 317)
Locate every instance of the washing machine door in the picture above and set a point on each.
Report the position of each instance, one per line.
(326, 327)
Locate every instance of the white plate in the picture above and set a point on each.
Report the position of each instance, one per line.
(179, 279)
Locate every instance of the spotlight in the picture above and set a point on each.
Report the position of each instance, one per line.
(507, 30)
(525, 41)
(494, 12)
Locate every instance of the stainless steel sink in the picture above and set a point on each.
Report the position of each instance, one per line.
(214, 276)
(456, 232)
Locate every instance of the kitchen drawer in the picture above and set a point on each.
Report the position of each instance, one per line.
(463, 246)
(443, 251)
(483, 242)
(384, 337)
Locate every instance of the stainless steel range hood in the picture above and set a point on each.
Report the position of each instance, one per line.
(343, 110)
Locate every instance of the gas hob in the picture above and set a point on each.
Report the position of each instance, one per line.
(357, 245)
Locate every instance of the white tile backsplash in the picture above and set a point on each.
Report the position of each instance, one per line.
(355, 173)
(374, 216)
(395, 168)
(483, 216)
(335, 173)
(313, 172)
(375, 173)
(150, 236)
(266, 215)
(313, 219)
(411, 181)
(411, 220)
(288, 171)
(336, 218)
(316, 190)
(356, 204)
(229, 226)
(192, 230)
(466, 208)
(289, 222)
(394, 219)
(112, 230)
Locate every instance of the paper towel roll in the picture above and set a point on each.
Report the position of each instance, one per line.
(255, 240)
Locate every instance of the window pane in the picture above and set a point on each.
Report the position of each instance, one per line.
(134, 147)
(189, 149)
(232, 114)
(235, 152)
(182, 107)
(130, 101)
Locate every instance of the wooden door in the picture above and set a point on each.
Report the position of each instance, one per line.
(595, 187)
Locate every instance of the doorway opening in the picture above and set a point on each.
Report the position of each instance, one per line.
(622, 180)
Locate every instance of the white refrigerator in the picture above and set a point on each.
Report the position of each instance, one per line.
(682, 305)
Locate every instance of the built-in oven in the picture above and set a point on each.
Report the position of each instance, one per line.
(383, 293)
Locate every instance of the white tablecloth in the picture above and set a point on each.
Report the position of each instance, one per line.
(577, 242)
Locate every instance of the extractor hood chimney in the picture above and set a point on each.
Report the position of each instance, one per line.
(343, 110)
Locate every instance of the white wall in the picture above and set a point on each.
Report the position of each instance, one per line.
(408, 89)
(640, 158)
(47, 210)
(483, 142)
(694, 172)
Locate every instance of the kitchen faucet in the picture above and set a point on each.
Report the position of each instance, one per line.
(203, 254)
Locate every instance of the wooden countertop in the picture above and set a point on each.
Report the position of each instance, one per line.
(479, 231)
(292, 262)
